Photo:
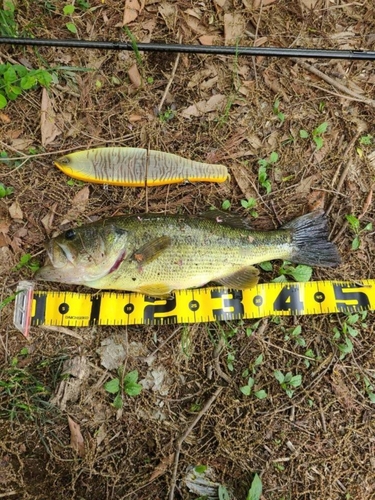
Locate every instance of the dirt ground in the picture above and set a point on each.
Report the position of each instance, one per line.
(317, 442)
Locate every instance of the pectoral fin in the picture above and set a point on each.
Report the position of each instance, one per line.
(152, 249)
(244, 278)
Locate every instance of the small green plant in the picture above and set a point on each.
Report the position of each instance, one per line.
(369, 389)
(277, 112)
(255, 491)
(355, 226)
(264, 166)
(133, 41)
(343, 337)
(27, 261)
(25, 395)
(167, 115)
(298, 273)
(226, 205)
(68, 10)
(250, 205)
(316, 135)
(251, 329)
(248, 388)
(8, 25)
(129, 385)
(15, 78)
(288, 382)
(294, 333)
(366, 140)
(5, 191)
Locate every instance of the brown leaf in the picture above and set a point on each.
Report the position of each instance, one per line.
(234, 27)
(76, 438)
(4, 118)
(15, 211)
(257, 3)
(131, 11)
(134, 76)
(214, 103)
(169, 13)
(47, 220)
(162, 466)
(81, 198)
(48, 128)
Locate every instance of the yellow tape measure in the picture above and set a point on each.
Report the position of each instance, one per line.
(189, 306)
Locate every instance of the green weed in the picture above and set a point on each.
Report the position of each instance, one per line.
(298, 273)
(355, 226)
(27, 261)
(294, 333)
(8, 25)
(250, 205)
(15, 79)
(26, 396)
(255, 491)
(226, 205)
(248, 388)
(127, 385)
(264, 166)
(277, 112)
(288, 382)
(5, 191)
(316, 135)
(343, 337)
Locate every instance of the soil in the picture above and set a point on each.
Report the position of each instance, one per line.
(317, 442)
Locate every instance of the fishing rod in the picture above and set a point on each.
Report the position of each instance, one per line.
(194, 49)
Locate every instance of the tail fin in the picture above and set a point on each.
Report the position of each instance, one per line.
(311, 246)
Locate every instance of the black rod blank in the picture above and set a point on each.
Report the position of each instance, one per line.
(194, 49)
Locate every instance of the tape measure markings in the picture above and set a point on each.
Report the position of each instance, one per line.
(190, 306)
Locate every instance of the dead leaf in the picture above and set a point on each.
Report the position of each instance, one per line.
(134, 76)
(81, 198)
(257, 3)
(316, 200)
(131, 11)
(306, 183)
(47, 220)
(21, 143)
(6, 258)
(168, 12)
(4, 118)
(111, 354)
(207, 39)
(162, 466)
(214, 103)
(15, 211)
(234, 27)
(48, 128)
(309, 4)
(76, 438)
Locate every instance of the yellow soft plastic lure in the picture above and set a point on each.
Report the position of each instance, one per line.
(137, 167)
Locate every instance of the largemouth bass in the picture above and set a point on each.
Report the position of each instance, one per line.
(156, 254)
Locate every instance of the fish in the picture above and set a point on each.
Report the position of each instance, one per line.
(157, 254)
(137, 167)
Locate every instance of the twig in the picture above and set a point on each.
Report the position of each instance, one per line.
(333, 82)
(185, 434)
(169, 81)
(344, 173)
(218, 369)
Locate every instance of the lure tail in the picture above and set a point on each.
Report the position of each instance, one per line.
(310, 241)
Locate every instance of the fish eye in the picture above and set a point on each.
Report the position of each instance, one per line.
(64, 160)
(70, 234)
